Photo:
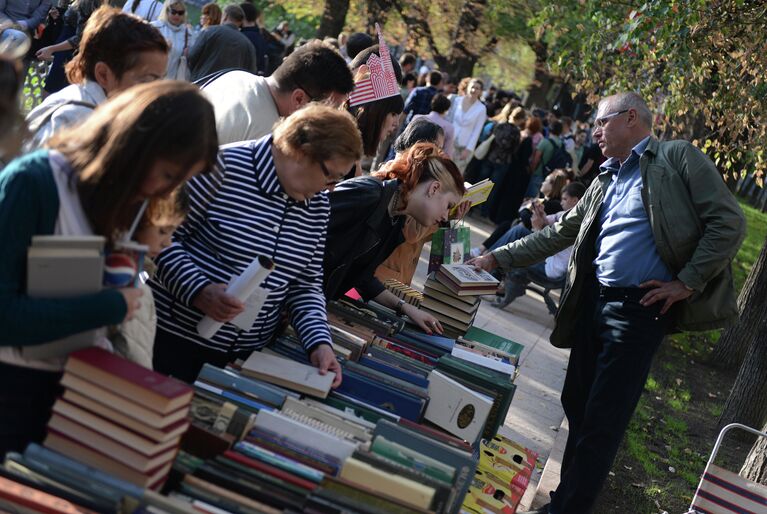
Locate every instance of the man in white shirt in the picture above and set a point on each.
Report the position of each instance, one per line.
(554, 267)
(247, 106)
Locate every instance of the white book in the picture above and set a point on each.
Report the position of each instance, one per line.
(482, 360)
(288, 373)
(456, 408)
(279, 423)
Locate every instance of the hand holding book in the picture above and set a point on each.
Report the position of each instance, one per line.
(426, 321)
(323, 358)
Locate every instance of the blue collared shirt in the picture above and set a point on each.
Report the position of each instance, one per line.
(626, 251)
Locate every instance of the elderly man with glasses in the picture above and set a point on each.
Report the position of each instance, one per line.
(653, 239)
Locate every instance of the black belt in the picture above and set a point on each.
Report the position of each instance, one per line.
(621, 294)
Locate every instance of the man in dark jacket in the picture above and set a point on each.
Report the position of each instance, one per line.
(652, 243)
(222, 47)
(252, 30)
(419, 100)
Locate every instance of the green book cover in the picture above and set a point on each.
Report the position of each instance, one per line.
(412, 459)
(495, 341)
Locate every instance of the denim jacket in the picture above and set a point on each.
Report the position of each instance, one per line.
(697, 224)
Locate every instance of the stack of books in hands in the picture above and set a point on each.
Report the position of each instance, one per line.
(452, 295)
(119, 417)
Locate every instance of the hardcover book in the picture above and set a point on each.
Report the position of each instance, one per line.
(288, 373)
(153, 390)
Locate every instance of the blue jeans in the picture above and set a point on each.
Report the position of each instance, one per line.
(613, 347)
(534, 186)
(516, 232)
(517, 279)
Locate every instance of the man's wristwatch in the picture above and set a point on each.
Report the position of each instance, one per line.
(399, 306)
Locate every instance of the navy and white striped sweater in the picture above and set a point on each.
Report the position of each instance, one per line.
(237, 214)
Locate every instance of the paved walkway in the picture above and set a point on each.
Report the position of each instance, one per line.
(535, 415)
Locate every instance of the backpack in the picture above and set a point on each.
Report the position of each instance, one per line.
(559, 159)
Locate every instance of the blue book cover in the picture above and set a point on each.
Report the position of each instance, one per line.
(394, 371)
(382, 396)
(234, 397)
(436, 341)
(78, 475)
(227, 379)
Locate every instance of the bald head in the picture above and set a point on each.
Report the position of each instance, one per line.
(622, 121)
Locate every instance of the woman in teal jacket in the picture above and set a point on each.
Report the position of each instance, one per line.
(91, 181)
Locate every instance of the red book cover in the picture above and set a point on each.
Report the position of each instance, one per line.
(154, 390)
(37, 500)
(270, 470)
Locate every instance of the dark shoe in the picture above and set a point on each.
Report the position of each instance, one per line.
(539, 510)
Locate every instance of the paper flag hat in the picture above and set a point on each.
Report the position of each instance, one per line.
(381, 82)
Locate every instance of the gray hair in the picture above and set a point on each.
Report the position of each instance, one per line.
(630, 100)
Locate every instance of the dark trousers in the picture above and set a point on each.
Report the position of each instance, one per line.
(26, 398)
(183, 359)
(611, 356)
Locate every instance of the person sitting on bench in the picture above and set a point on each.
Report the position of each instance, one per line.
(554, 267)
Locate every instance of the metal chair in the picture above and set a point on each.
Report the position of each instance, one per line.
(723, 492)
(544, 288)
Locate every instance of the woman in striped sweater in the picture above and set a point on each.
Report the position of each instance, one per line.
(268, 200)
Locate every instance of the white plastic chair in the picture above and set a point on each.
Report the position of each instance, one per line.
(724, 492)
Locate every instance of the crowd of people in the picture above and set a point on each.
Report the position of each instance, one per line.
(300, 156)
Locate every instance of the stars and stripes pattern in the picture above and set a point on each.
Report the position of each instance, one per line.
(238, 213)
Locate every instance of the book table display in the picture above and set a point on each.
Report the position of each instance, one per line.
(413, 427)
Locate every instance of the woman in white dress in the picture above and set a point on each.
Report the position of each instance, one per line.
(469, 115)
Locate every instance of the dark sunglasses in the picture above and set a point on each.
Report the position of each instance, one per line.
(177, 13)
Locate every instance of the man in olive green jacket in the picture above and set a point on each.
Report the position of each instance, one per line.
(652, 240)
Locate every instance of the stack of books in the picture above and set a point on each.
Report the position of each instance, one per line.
(455, 313)
(403, 291)
(119, 417)
(42, 480)
(501, 478)
(489, 350)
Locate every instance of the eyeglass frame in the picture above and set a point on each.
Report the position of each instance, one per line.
(601, 122)
(171, 10)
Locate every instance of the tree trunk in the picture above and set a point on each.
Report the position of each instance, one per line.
(465, 50)
(542, 80)
(747, 402)
(733, 345)
(333, 18)
(755, 467)
(377, 13)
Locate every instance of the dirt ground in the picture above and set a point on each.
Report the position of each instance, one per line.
(672, 433)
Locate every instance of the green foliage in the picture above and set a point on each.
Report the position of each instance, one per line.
(700, 64)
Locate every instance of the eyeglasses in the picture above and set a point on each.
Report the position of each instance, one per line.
(177, 13)
(326, 172)
(601, 122)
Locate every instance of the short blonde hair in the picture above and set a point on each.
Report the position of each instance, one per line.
(320, 133)
(170, 3)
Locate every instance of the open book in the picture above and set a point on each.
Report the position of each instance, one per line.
(476, 194)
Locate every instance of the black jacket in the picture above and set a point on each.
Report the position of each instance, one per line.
(361, 235)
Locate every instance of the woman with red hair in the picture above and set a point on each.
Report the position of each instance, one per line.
(366, 219)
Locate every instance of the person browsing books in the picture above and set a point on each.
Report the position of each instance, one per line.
(92, 180)
(267, 201)
(368, 214)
